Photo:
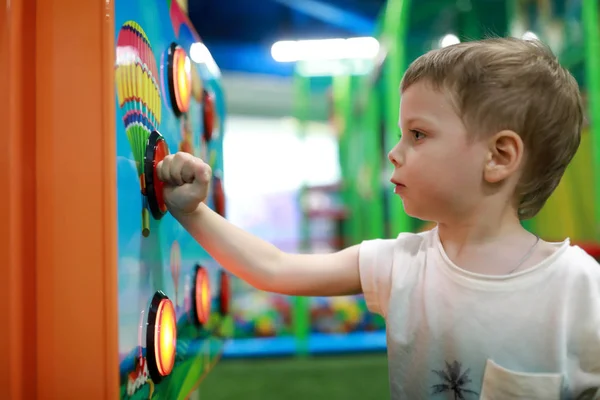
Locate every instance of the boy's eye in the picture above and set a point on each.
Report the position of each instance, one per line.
(417, 135)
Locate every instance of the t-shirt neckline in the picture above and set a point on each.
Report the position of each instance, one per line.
(524, 276)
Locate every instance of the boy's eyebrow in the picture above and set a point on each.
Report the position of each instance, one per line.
(417, 119)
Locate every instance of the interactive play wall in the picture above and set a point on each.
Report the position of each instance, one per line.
(107, 296)
(168, 99)
(364, 112)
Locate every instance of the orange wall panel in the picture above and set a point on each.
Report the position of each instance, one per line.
(17, 210)
(75, 207)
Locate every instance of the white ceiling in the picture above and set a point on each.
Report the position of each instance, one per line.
(262, 95)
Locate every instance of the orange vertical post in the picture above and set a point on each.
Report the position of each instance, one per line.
(75, 164)
(17, 207)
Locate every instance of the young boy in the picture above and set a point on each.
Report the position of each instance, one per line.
(477, 307)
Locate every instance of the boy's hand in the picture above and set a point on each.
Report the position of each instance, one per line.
(186, 181)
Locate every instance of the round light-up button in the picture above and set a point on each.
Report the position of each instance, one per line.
(218, 195)
(161, 337)
(225, 294)
(180, 79)
(209, 115)
(156, 151)
(202, 297)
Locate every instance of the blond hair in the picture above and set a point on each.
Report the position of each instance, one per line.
(511, 84)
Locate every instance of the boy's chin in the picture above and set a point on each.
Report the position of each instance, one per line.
(419, 212)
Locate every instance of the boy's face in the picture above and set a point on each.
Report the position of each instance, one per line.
(437, 168)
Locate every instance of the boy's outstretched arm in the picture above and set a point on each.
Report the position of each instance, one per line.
(266, 267)
(252, 259)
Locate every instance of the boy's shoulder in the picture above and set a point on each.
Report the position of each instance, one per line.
(407, 239)
(405, 242)
(573, 262)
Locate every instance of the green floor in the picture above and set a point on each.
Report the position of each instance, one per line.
(361, 377)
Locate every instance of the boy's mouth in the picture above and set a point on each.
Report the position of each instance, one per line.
(398, 186)
(395, 182)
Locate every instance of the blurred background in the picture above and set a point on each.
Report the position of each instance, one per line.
(312, 98)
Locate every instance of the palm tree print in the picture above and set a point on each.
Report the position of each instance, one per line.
(454, 381)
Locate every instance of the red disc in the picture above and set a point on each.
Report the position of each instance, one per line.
(218, 196)
(161, 150)
(209, 115)
(225, 295)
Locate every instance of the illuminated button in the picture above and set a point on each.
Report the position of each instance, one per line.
(225, 294)
(201, 304)
(209, 115)
(161, 337)
(179, 69)
(156, 151)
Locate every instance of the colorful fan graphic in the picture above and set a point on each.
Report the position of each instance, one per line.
(138, 95)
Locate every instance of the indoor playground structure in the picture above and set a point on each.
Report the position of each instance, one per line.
(364, 100)
(107, 296)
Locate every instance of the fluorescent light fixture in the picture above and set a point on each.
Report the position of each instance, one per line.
(325, 49)
(335, 67)
(449, 40)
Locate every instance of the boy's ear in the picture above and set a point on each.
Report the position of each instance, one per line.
(504, 156)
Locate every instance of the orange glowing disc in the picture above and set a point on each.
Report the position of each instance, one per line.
(165, 332)
(161, 337)
(202, 295)
(180, 79)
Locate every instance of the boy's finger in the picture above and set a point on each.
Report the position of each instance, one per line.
(175, 168)
(202, 172)
(162, 170)
(188, 171)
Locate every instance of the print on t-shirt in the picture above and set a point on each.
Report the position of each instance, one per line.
(454, 381)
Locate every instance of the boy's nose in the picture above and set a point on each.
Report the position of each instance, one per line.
(395, 157)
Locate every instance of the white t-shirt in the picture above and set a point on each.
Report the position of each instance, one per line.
(452, 334)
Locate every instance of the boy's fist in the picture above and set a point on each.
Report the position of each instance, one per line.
(186, 181)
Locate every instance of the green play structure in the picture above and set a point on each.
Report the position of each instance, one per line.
(365, 108)
(365, 116)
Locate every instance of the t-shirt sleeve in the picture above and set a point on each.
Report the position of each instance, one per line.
(375, 262)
